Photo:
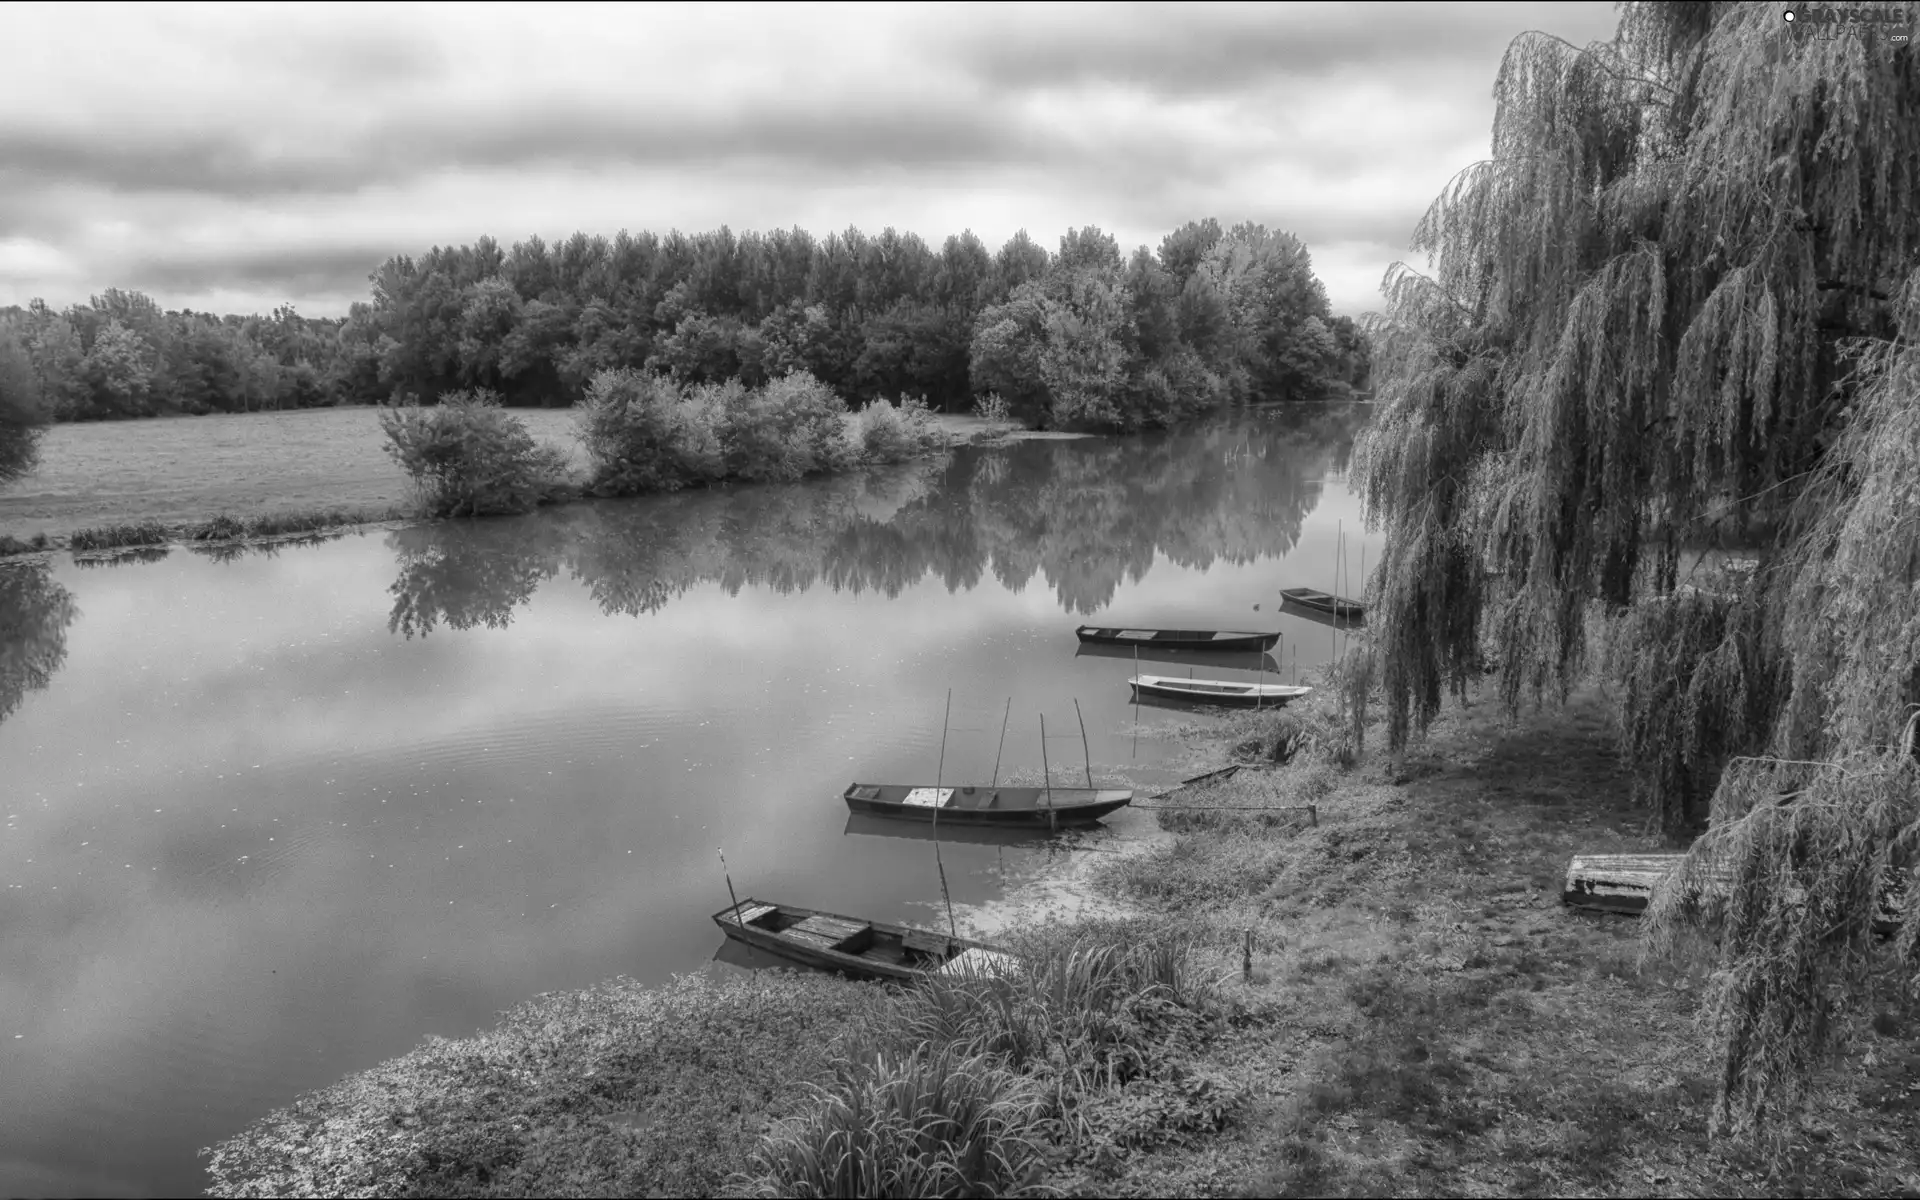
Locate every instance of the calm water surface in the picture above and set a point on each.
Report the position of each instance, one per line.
(270, 817)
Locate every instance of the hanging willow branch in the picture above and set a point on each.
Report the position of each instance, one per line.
(1630, 344)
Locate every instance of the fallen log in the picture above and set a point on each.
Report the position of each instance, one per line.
(1624, 883)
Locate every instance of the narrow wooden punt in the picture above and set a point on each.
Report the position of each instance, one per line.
(1204, 660)
(1217, 691)
(1325, 602)
(1624, 883)
(855, 948)
(1179, 639)
(1029, 807)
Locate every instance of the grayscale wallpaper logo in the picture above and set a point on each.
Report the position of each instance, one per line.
(1885, 22)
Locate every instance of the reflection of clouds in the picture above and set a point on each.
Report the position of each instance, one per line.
(34, 615)
(1084, 515)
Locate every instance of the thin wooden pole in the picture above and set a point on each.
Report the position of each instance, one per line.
(1003, 741)
(939, 772)
(1136, 701)
(1084, 748)
(1047, 772)
(729, 879)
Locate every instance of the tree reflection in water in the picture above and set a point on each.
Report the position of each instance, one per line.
(34, 615)
(1083, 514)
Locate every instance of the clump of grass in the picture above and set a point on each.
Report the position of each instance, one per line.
(111, 537)
(10, 545)
(469, 457)
(616, 1090)
(992, 406)
(226, 527)
(932, 1123)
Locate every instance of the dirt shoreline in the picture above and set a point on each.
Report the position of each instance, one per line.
(179, 472)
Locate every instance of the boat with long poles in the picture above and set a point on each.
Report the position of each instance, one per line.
(1024, 807)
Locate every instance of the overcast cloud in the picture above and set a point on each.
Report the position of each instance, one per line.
(233, 158)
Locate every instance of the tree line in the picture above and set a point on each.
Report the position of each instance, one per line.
(1085, 335)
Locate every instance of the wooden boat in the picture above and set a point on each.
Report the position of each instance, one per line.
(1624, 883)
(1217, 691)
(1019, 806)
(1326, 602)
(858, 949)
(1206, 660)
(1179, 639)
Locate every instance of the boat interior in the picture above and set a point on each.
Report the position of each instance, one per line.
(908, 948)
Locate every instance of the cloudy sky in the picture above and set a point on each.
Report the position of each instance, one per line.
(232, 158)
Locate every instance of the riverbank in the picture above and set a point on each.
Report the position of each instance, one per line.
(1422, 1016)
(171, 479)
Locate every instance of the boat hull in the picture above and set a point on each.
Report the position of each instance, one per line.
(1179, 639)
(1323, 602)
(1006, 807)
(1256, 696)
(915, 953)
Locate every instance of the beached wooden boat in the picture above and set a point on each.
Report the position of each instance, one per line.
(1179, 639)
(1217, 691)
(1624, 883)
(855, 948)
(1326, 602)
(1019, 806)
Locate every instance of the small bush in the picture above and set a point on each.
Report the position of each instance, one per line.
(470, 458)
(789, 429)
(931, 1123)
(13, 545)
(644, 433)
(888, 435)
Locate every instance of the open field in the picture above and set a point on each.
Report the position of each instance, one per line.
(177, 470)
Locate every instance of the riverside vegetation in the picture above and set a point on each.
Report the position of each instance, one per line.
(1421, 1016)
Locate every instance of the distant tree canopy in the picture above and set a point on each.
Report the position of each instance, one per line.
(1677, 309)
(1084, 335)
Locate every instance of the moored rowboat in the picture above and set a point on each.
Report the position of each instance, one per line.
(1179, 639)
(1325, 602)
(856, 948)
(1217, 691)
(1021, 806)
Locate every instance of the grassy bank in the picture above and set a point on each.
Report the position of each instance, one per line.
(109, 485)
(1422, 1016)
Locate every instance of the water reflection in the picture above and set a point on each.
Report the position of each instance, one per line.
(1084, 515)
(34, 615)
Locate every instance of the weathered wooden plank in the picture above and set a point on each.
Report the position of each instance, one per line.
(1624, 883)
(835, 928)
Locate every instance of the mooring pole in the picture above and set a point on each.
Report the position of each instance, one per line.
(946, 718)
(729, 879)
(1003, 743)
(1047, 772)
(1084, 749)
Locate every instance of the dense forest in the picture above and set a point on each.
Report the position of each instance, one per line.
(1085, 336)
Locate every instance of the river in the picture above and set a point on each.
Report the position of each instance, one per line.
(272, 815)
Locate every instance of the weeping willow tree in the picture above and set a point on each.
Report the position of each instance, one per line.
(1675, 311)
